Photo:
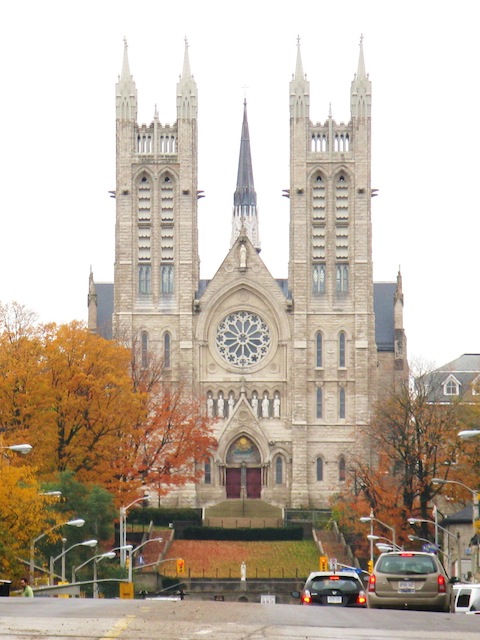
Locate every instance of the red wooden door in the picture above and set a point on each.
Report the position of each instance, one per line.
(254, 483)
(233, 482)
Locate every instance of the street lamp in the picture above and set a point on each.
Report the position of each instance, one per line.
(474, 492)
(142, 545)
(468, 433)
(19, 448)
(389, 542)
(475, 508)
(86, 543)
(123, 527)
(427, 541)
(78, 522)
(96, 560)
(371, 518)
(414, 521)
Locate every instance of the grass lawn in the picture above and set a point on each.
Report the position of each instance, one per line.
(222, 559)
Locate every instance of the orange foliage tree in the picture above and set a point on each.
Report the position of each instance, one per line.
(174, 440)
(409, 441)
(96, 408)
(24, 514)
(69, 393)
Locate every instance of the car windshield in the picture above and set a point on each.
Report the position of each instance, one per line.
(326, 583)
(407, 565)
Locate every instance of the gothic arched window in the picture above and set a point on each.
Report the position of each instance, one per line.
(144, 349)
(341, 403)
(341, 349)
(319, 403)
(279, 470)
(207, 471)
(319, 350)
(319, 469)
(342, 469)
(167, 350)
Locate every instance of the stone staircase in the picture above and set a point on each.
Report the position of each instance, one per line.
(243, 513)
(333, 546)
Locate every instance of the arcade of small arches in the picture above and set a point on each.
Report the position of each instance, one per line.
(222, 405)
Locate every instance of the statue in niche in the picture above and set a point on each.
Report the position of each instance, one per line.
(231, 403)
(265, 406)
(220, 405)
(243, 256)
(255, 404)
(276, 405)
(209, 405)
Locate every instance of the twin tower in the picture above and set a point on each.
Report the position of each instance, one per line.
(288, 369)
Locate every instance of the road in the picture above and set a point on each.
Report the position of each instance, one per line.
(87, 619)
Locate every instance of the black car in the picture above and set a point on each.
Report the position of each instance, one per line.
(333, 588)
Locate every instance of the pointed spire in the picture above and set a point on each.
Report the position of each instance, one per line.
(361, 75)
(126, 75)
(126, 91)
(186, 62)
(245, 218)
(299, 75)
(399, 289)
(186, 91)
(361, 89)
(299, 89)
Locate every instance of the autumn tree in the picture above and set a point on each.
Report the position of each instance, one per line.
(174, 439)
(24, 514)
(69, 393)
(410, 440)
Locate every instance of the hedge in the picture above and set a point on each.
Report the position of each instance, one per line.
(247, 534)
(163, 517)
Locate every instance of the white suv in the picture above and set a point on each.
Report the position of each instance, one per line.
(466, 598)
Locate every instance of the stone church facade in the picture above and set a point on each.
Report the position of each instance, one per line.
(290, 369)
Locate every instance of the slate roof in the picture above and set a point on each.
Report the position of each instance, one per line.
(464, 370)
(461, 517)
(383, 306)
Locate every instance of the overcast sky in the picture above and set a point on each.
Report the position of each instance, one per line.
(60, 63)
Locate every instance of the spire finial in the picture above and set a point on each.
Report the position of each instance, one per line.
(186, 62)
(299, 67)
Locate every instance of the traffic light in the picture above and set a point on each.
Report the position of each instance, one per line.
(370, 566)
(180, 565)
(323, 563)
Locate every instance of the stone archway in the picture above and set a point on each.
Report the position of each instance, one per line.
(243, 473)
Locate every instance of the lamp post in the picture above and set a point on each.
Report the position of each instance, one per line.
(86, 543)
(474, 492)
(123, 527)
(134, 551)
(414, 521)
(19, 448)
(371, 518)
(475, 506)
(95, 560)
(427, 541)
(389, 542)
(468, 433)
(79, 522)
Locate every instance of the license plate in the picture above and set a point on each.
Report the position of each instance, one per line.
(406, 586)
(334, 599)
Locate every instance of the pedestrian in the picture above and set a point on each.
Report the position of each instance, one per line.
(27, 591)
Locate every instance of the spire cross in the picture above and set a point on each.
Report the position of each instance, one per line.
(245, 87)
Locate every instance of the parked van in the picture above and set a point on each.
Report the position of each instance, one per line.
(466, 598)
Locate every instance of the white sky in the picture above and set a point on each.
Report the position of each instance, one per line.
(60, 62)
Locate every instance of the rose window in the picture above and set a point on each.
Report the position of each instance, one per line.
(243, 339)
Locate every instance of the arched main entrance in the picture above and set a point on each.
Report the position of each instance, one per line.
(243, 472)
